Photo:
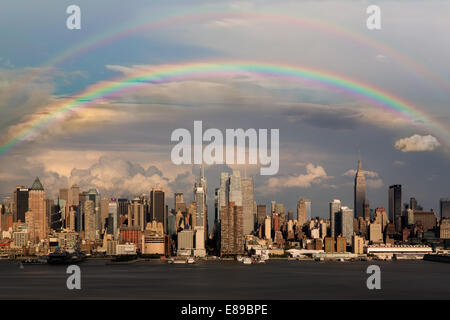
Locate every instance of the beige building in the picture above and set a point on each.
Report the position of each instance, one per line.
(136, 216)
(445, 229)
(357, 245)
(268, 228)
(37, 213)
(74, 195)
(247, 205)
(375, 233)
(232, 231)
(89, 221)
(303, 211)
(153, 240)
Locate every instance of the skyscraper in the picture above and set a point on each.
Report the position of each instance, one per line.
(201, 213)
(95, 198)
(20, 203)
(344, 223)
(232, 236)
(247, 205)
(104, 213)
(158, 206)
(180, 204)
(412, 203)
(366, 210)
(359, 191)
(136, 214)
(335, 207)
(113, 218)
(89, 221)
(200, 191)
(38, 226)
(395, 204)
(261, 214)
(74, 195)
(235, 188)
(303, 211)
(445, 207)
(231, 214)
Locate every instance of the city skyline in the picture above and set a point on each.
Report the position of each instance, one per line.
(238, 194)
(321, 127)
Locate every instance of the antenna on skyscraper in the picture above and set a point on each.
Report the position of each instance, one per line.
(359, 161)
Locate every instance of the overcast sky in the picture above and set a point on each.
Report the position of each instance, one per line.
(121, 145)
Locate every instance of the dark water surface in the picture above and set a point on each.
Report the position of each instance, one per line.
(228, 280)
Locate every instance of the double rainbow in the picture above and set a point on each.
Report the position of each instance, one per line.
(200, 70)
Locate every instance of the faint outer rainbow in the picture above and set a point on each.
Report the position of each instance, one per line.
(224, 69)
(178, 18)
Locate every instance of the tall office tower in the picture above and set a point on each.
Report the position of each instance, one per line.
(113, 215)
(56, 221)
(279, 208)
(48, 215)
(335, 207)
(20, 203)
(395, 204)
(122, 207)
(247, 204)
(83, 197)
(232, 231)
(74, 195)
(95, 198)
(224, 186)
(235, 188)
(64, 194)
(89, 221)
(412, 203)
(268, 228)
(290, 215)
(303, 211)
(136, 214)
(273, 206)
(445, 207)
(366, 210)
(180, 205)
(200, 200)
(344, 223)
(158, 206)
(37, 209)
(104, 213)
(261, 214)
(217, 200)
(70, 220)
(359, 191)
(217, 211)
(381, 217)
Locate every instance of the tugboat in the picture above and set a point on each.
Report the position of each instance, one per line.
(65, 257)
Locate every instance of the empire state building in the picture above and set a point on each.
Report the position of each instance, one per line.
(360, 191)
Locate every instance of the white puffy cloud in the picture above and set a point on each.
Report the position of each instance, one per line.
(367, 174)
(417, 143)
(114, 177)
(373, 179)
(315, 174)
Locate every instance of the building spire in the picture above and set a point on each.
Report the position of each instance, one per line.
(359, 161)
